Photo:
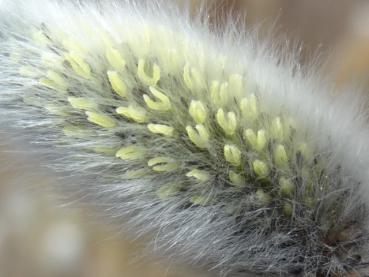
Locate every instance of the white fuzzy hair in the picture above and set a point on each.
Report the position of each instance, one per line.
(215, 200)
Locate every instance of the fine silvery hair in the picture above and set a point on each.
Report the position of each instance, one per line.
(221, 147)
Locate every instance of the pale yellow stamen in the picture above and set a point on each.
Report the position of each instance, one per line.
(54, 81)
(133, 112)
(257, 141)
(236, 179)
(163, 103)
(219, 93)
(277, 129)
(227, 122)
(82, 103)
(79, 65)
(147, 80)
(101, 120)
(260, 168)
(162, 164)
(199, 138)
(167, 190)
(280, 156)
(117, 83)
(132, 152)
(193, 78)
(161, 129)
(198, 111)
(200, 175)
(249, 107)
(232, 154)
(115, 59)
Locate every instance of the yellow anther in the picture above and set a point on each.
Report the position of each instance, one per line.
(167, 191)
(199, 138)
(55, 81)
(193, 78)
(101, 119)
(79, 65)
(115, 59)
(161, 129)
(232, 154)
(133, 112)
(257, 141)
(162, 164)
(227, 122)
(235, 84)
(219, 93)
(286, 187)
(249, 107)
(200, 175)
(147, 80)
(260, 168)
(263, 197)
(198, 111)
(280, 155)
(27, 71)
(163, 103)
(40, 38)
(117, 83)
(132, 152)
(82, 103)
(236, 179)
(199, 200)
(277, 128)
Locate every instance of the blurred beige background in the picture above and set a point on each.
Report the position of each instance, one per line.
(39, 238)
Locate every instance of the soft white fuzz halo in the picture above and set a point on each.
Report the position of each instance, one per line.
(222, 147)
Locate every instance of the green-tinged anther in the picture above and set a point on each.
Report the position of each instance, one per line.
(249, 107)
(167, 191)
(101, 119)
(133, 112)
(260, 168)
(132, 152)
(263, 197)
(228, 122)
(257, 141)
(277, 129)
(161, 129)
(198, 111)
(79, 65)
(200, 137)
(117, 83)
(55, 81)
(232, 154)
(236, 179)
(146, 79)
(287, 209)
(163, 103)
(115, 59)
(200, 175)
(219, 93)
(286, 187)
(280, 156)
(82, 103)
(162, 164)
(193, 78)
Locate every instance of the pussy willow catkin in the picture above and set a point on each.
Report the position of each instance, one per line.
(223, 148)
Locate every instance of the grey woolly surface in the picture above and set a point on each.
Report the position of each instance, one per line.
(226, 228)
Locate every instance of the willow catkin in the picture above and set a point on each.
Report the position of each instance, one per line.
(220, 146)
